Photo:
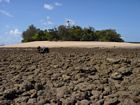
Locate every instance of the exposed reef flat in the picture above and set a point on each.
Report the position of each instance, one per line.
(70, 76)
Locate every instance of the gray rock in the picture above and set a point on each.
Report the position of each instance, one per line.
(32, 67)
(125, 71)
(104, 80)
(58, 84)
(60, 92)
(40, 92)
(55, 66)
(27, 86)
(93, 77)
(125, 60)
(96, 94)
(88, 70)
(5, 102)
(81, 95)
(43, 102)
(135, 89)
(84, 86)
(55, 76)
(32, 100)
(116, 76)
(111, 101)
(39, 86)
(21, 99)
(70, 101)
(84, 102)
(65, 77)
(59, 102)
(48, 104)
(136, 99)
(129, 102)
(10, 94)
(32, 93)
(1, 94)
(27, 93)
(107, 90)
(112, 60)
(100, 102)
(87, 95)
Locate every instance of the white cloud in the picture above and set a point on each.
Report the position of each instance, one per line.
(71, 22)
(52, 6)
(15, 32)
(57, 4)
(7, 1)
(48, 6)
(3, 12)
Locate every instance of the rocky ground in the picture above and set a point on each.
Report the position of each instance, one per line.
(70, 76)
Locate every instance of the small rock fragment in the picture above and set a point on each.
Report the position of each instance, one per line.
(116, 76)
(27, 86)
(84, 102)
(112, 60)
(125, 71)
(39, 86)
(88, 70)
(96, 94)
(32, 100)
(111, 101)
(10, 94)
(100, 102)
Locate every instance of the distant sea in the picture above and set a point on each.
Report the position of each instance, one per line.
(1, 44)
(9, 43)
(135, 42)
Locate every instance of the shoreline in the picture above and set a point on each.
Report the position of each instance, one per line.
(99, 48)
(73, 44)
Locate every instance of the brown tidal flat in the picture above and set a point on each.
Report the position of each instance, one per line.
(70, 76)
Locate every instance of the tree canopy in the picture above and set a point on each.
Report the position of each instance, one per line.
(70, 33)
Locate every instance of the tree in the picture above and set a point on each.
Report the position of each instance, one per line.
(71, 33)
(63, 32)
(76, 33)
(89, 34)
(29, 33)
(53, 34)
(109, 35)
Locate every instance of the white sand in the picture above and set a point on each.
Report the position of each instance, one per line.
(52, 44)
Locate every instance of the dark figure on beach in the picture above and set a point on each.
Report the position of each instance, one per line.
(43, 49)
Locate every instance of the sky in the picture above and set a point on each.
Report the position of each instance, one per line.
(17, 15)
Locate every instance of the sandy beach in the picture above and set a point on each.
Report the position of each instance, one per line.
(79, 44)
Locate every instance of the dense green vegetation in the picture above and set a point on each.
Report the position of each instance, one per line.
(70, 33)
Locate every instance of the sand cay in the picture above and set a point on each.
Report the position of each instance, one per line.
(81, 44)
